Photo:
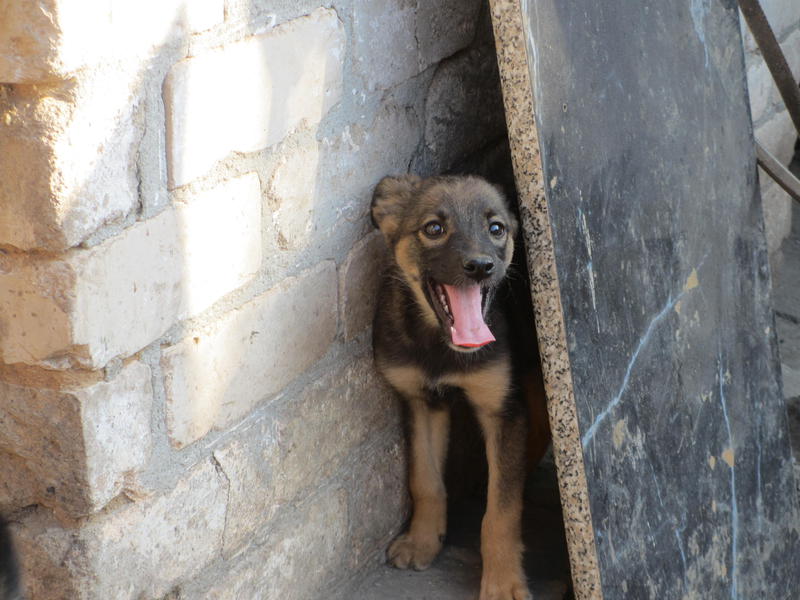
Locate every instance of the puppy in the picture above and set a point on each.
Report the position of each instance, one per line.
(9, 577)
(439, 334)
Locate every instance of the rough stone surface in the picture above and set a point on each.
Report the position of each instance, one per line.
(379, 499)
(462, 112)
(777, 206)
(398, 39)
(295, 447)
(319, 182)
(68, 158)
(783, 15)
(358, 283)
(62, 37)
(248, 95)
(75, 450)
(152, 274)
(778, 136)
(297, 557)
(215, 378)
(140, 550)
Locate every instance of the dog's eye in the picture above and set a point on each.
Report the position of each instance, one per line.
(497, 229)
(433, 229)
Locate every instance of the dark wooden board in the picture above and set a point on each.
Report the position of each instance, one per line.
(647, 165)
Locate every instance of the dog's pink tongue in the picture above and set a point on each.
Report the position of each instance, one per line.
(469, 328)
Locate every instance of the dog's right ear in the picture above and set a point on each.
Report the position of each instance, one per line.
(389, 200)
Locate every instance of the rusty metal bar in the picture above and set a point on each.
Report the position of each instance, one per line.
(782, 176)
(773, 56)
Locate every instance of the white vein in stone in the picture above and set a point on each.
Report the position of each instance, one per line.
(587, 437)
(734, 504)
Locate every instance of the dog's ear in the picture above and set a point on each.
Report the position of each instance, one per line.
(389, 200)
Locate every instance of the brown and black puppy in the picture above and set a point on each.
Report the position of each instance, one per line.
(438, 332)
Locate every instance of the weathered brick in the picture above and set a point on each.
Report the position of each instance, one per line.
(68, 158)
(150, 275)
(777, 209)
(318, 183)
(464, 111)
(59, 37)
(378, 497)
(216, 378)
(75, 450)
(288, 451)
(791, 49)
(248, 95)
(444, 27)
(358, 283)
(297, 559)
(386, 51)
(778, 136)
(761, 88)
(204, 14)
(140, 550)
(397, 39)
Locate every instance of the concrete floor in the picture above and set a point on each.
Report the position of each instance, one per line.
(455, 575)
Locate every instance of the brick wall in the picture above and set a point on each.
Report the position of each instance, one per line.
(188, 406)
(772, 124)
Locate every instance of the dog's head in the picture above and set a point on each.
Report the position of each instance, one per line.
(452, 239)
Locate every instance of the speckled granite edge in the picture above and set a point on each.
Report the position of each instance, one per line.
(523, 136)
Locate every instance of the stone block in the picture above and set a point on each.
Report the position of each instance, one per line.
(778, 136)
(464, 109)
(791, 50)
(777, 208)
(386, 51)
(301, 554)
(151, 275)
(291, 450)
(320, 182)
(60, 37)
(75, 450)
(215, 378)
(445, 27)
(204, 14)
(761, 88)
(139, 550)
(783, 15)
(358, 283)
(248, 95)
(69, 158)
(379, 499)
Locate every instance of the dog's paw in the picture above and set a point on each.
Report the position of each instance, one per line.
(416, 552)
(504, 587)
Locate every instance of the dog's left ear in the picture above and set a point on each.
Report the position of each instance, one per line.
(389, 200)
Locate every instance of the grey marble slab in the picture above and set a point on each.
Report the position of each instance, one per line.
(648, 170)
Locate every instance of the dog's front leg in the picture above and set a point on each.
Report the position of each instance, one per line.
(428, 448)
(501, 541)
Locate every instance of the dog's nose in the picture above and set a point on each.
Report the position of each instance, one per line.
(478, 267)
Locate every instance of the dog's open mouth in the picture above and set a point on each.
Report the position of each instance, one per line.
(461, 307)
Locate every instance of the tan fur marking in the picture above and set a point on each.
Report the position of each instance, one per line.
(405, 260)
(407, 379)
(501, 540)
(422, 542)
(487, 387)
(509, 251)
